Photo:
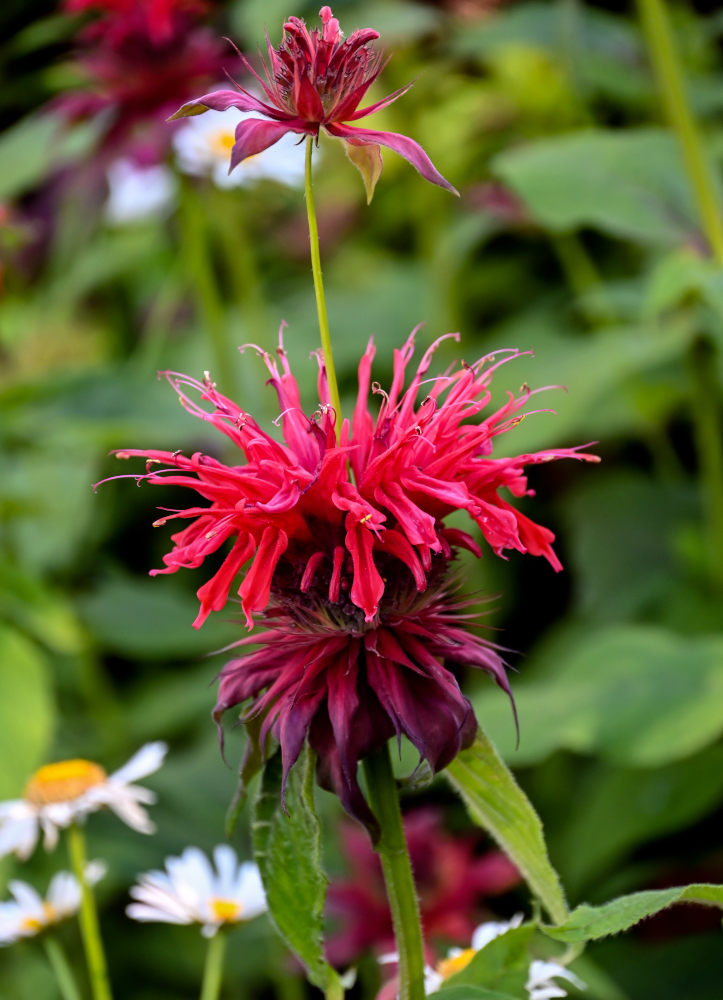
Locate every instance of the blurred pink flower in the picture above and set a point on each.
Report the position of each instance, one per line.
(138, 59)
(454, 883)
(316, 79)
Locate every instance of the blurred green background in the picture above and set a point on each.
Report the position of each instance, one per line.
(576, 237)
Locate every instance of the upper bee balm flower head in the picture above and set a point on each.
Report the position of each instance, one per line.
(190, 891)
(68, 791)
(350, 555)
(317, 79)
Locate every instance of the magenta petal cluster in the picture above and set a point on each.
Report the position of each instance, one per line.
(314, 79)
(347, 554)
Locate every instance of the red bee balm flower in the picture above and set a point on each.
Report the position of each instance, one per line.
(350, 555)
(314, 79)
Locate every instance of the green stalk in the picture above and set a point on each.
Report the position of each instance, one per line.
(200, 268)
(669, 74)
(61, 967)
(393, 854)
(319, 288)
(88, 917)
(664, 57)
(707, 423)
(213, 970)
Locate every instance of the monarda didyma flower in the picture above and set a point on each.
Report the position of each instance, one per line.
(350, 556)
(316, 79)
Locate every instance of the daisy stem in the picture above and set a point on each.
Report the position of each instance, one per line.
(397, 868)
(61, 967)
(319, 288)
(88, 916)
(213, 970)
(666, 64)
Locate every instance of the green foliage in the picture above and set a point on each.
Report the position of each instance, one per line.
(588, 923)
(496, 803)
(502, 965)
(26, 710)
(287, 848)
(629, 185)
(634, 694)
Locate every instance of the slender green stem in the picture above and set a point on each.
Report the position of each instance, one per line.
(213, 970)
(666, 64)
(582, 276)
(707, 423)
(319, 288)
(88, 916)
(706, 413)
(392, 851)
(61, 967)
(199, 264)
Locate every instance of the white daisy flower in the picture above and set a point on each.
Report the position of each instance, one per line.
(203, 148)
(136, 193)
(68, 791)
(189, 891)
(540, 985)
(28, 913)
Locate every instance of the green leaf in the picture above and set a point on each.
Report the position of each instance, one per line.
(497, 803)
(502, 964)
(589, 923)
(33, 147)
(638, 695)
(287, 848)
(251, 764)
(368, 161)
(629, 184)
(598, 833)
(26, 710)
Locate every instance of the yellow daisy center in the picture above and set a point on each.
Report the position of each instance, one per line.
(449, 966)
(221, 143)
(226, 910)
(63, 782)
(34, 925)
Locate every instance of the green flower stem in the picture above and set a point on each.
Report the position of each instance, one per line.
(194, 240)
(707, 424)
(246, 279)
(61, 967)
(706, 414)
(666, 64)
(88, 916)
(213, 970)
(392, 851)
(319, 288)
(582, 277)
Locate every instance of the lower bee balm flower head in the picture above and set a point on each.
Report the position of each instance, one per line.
(350, 554)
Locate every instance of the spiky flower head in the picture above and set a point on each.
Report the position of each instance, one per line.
(317, 79)
(349, 555)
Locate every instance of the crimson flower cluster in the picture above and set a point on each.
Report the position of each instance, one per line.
(315, 79)
(348, 555)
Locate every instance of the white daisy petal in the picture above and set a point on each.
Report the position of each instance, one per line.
(145, 761)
